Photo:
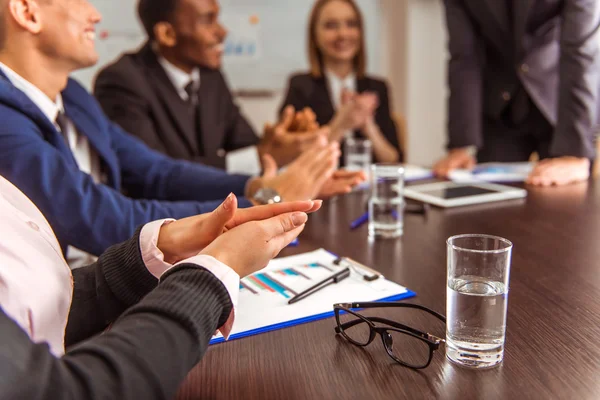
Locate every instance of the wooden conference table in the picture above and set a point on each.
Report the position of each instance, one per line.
(553, 329)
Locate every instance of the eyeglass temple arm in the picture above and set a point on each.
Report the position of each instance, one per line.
(357, 321)
(376, 304)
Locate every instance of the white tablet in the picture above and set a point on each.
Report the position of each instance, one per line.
(453, 194)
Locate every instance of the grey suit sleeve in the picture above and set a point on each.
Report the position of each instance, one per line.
(104, 290)
(465, 103)
(579, 80)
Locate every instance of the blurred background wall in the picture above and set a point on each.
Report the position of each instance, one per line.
(267, 42)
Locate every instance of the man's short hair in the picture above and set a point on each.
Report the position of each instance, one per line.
(151, 12)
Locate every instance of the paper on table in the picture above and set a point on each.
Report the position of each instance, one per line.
(263, 301)
(411, 173)
(416, 173)
(494, 172)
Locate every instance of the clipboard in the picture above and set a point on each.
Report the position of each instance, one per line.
(262, 304)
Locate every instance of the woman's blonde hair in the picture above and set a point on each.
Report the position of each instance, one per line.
(314, 54)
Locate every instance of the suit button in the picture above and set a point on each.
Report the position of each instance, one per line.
(221, 153)
(505, 96)
(33, 226)
(524, 68)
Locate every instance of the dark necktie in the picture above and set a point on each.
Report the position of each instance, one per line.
(192, 101)
(63, 123)
(192, 93)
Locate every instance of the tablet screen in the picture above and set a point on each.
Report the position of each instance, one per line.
(458, 192)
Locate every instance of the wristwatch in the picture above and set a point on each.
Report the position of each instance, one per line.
(267, 196)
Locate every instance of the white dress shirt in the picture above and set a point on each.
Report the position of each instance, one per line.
(180, 79)
(337, 84)
(85, 156)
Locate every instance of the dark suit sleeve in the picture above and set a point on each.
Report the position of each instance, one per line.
(384, 119)
(465, 103)
(127, 107)
(102, 291)
(294, 95)
(146, 354)
(239, 133)
(579, 80)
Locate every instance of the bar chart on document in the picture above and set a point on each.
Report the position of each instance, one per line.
(284, 283)
(262, 303)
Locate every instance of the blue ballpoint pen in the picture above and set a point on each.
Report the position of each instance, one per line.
(364, 218)
(359, 221)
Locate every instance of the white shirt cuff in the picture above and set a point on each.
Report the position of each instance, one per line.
(153, 258)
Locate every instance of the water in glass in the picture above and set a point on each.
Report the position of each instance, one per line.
(476, 321)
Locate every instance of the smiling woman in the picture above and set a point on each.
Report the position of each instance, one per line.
(337, 87)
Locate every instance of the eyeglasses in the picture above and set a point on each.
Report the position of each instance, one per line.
(405, 345)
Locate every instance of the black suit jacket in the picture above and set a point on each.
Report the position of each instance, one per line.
(305, 90)
(550, 47)
(136, 93)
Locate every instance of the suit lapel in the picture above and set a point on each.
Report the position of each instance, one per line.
(322, 99)
(494, 22)
(362, 85)
(521, 9)
(208, 110)
(87, 127)
(9, 94)
(167, 94)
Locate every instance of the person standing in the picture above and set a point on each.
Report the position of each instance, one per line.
(524, 77)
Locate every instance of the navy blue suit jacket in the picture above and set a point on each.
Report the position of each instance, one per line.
(90, 216)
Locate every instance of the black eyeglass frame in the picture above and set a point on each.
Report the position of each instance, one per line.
(432, 341)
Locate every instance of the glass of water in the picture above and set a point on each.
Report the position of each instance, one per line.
(357, 154)
(386, 205)
(476, 300)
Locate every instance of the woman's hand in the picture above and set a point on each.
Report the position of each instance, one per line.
(354, 113)
(188, 236)
(250, 246)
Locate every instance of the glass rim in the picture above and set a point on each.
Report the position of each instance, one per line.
(359, 140)
(389, 166)
(479, 235)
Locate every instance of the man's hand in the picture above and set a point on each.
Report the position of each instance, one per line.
(560, 171)
(456, 158)
(188, 236)
(302, 179)
(250, 246)
(295, 133)
(341, 182)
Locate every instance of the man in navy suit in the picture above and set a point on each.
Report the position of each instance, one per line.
(58, 147)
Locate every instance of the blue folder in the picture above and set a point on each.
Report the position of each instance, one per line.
(316, 317)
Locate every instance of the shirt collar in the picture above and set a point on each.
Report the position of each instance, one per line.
(336, 85)
(348, 82)
(48, 107)
(179, 78)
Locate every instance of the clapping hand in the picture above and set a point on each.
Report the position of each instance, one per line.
(295, 133)
(187, 237)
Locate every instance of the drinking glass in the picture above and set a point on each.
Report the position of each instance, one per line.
(357, 154)
(386, 204)
(476, 299)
